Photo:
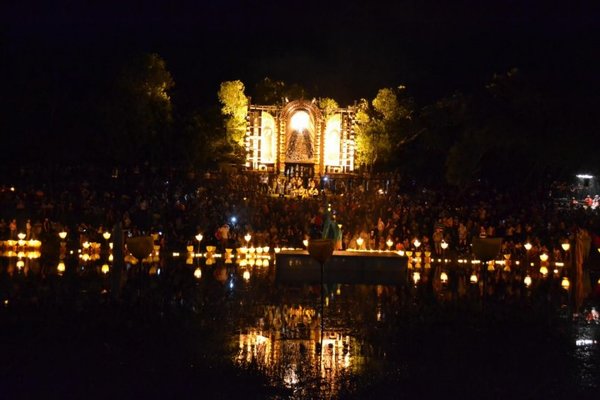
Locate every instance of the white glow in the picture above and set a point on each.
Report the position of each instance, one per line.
(300, 121)
(585, 176)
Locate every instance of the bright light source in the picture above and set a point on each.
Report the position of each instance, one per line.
(585, 176)
(300, 121)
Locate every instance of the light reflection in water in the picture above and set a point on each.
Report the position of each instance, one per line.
(288, 359)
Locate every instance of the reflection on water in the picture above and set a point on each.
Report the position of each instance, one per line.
(278, 329)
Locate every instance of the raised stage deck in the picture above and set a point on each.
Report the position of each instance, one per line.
(351, 267)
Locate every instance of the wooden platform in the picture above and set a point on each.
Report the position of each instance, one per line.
(385, 268)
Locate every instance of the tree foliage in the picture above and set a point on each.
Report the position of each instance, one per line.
(140, 114)
(235, 108)
(269, 91)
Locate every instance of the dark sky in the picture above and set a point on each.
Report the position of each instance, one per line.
(344, 50)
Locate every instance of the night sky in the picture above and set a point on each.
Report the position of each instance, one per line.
(343, 50)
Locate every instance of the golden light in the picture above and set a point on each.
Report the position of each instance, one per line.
(389, 243)
(85, 257)
(265, 263)
(360, 242)
(300, 121)
(266, 249)
(20, 264)
(444, 245)
(305, 243)
(566, 246)
(198, 273)
(86, 245)
(246, 275)
(527, 281)
(259, 262)
(259, 250)
(544, 270)
(491, 266)
(106, 235)
(61, 267)
(528, 246)
(105, 269)
(401, 253)
(544, 257)
(277, 250)
(21, 236)
(565, 283)
(247, 237)
(408, 253)
(417, 243)
(189, 248)
(110, 258)
(444, 277)
(473, 278)
(416, 277)
(199, 237)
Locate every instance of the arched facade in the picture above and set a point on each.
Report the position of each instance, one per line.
(297, 139)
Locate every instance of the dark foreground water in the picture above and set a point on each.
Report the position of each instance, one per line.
(170, 334)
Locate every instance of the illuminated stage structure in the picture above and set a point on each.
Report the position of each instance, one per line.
(298, 139)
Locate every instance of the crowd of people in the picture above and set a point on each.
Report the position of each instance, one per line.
(283, 211)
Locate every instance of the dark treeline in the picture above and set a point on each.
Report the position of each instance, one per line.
(102, 107)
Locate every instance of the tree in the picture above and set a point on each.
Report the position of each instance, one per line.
(234, 108)
(140, 113)
(269, 91)
(385, 126)
(327, 106)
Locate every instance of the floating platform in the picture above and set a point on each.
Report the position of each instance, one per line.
(349, 267)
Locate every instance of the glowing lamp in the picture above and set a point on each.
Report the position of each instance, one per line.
(247, 237)
(416, 243)
(565, 283)
(527, 281)
(527, 246)
(544, 270)
(416, 277)
(246, 275)
(566, 246)
(444, 245)
(473, 279)
(444, 277)
(360, 242)
(62, 235)
(86, 245)
(199, 237)
(389, 243)
(20, 264)
(401, 253)
(61, 267)
(198, 273)
(106, 235)
(544, 257)
(21, 236)
(105, 269)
